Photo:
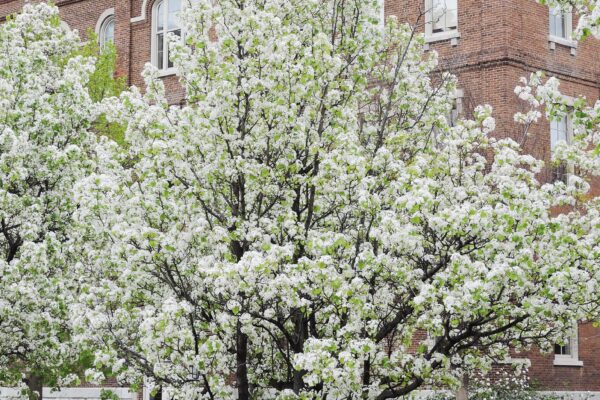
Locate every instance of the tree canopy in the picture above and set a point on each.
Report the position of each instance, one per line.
(48, 115)
(309, 224)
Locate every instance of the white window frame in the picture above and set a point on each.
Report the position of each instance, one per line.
(154, 45)
(108, 15)
(569, 136)
(568, 39)
(570, 360)
(431, 36)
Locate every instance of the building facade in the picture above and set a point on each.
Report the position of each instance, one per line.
(488, 45)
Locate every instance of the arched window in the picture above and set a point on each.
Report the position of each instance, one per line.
(105, 28)
(107, 32)
(164, 20)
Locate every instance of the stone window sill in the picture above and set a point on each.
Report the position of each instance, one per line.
(554, 40)
(567, 362)
(167, 72)
(453, 36)
(515, 361)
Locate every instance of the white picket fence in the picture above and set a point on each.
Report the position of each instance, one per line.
(72, 393)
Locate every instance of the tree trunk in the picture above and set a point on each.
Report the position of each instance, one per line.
(241, 373)
(35, 385)
(301, 335)
(463, 393)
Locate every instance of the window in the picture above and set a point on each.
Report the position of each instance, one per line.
(105, 27)
(457, 108)
(107, 31)
(563, 349)
(441, 20)
(444, 15)
(165, 20)
(558, 23)
(567, 353)
(561, 29)
(452, 118)
(559, 132)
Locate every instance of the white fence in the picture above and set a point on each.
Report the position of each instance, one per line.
(73, 393)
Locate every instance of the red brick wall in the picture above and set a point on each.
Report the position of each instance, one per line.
(499, 43)
(586, 378)
(83, 15)
(9, 7)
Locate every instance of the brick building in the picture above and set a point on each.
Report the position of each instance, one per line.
(489, 45)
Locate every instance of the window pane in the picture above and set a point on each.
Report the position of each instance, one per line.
(160, 17)
(451, 19)
(160, 50)
(567, 348)
(110, 30)
(558, 132)
(558, 349)
(178, 34)
(563, 350)
(557, 22)
(562, 130)
(108, 33)
(444, 15)
(438, 15)
(174, 8)
(451, 14)
(560, 32)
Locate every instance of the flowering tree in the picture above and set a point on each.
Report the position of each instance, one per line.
(309, 225)
(45, 144)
